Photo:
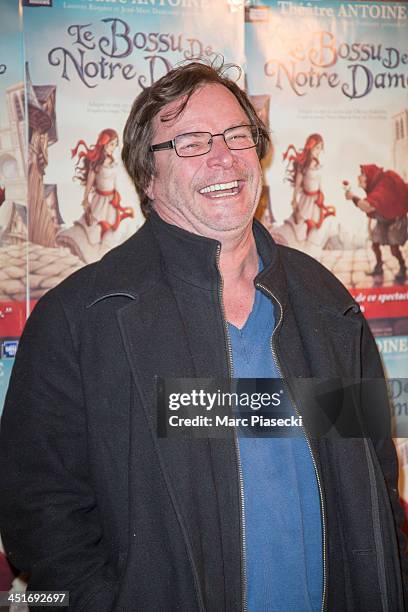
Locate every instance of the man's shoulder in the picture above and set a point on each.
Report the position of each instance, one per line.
(306, 274)
(123, 270)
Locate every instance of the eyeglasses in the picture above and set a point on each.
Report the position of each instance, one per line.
(200, 143)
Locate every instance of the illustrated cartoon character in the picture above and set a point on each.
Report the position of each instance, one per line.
(94, 233)
(386, 204)
(309, 226)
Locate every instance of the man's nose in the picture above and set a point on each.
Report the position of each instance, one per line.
(220, 154)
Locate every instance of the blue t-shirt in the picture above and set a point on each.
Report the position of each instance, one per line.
(283, 533)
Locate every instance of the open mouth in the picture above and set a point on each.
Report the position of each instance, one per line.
(222, 190)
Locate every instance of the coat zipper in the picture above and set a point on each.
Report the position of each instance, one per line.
(236, 445)
(318, 478)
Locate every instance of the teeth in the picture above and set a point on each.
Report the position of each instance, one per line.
(219, 187)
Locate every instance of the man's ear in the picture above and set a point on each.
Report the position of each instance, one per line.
(150, 189)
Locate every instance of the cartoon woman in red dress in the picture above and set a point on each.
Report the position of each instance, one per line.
(96, 231)
(308, 227)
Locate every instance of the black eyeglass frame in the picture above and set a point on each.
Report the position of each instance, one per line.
(171, 144)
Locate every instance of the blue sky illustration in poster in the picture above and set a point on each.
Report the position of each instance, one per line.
(91, 60)
(331, 79)
(11, 82)
(11, 68)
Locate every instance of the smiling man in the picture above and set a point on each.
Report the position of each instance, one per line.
(219, 188)
(92, 501)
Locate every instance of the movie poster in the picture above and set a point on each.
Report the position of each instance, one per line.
(331, 79)
(86, 62)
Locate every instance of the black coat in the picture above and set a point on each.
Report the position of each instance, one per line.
(94, 503)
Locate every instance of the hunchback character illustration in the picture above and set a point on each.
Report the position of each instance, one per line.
(386, 205)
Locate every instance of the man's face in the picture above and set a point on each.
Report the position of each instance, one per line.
(180, 187)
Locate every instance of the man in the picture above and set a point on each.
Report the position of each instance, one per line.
(92, 500)
(386, 203)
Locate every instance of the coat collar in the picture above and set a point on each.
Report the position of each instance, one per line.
(194, 258)
(159, 248)
(136, 266)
